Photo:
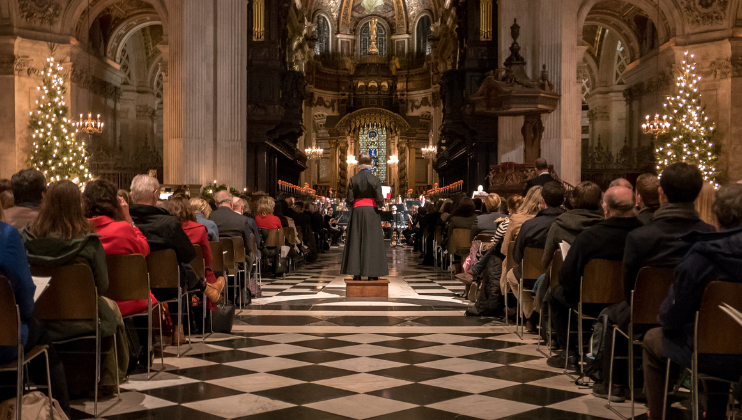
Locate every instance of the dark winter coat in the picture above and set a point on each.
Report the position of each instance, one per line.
(712, 256)
(566, 227)
(533, 234)
(659, 243)
(606, 241)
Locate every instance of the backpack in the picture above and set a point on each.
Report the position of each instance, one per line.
(598, 341)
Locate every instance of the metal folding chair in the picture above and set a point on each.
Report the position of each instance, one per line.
(10, 335)
(73, 296)
(164, 273)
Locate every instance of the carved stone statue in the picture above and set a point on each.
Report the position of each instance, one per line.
(394, 65)
(372, 48)
(532, 130)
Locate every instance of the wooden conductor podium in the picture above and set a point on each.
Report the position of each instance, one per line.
(367, 288)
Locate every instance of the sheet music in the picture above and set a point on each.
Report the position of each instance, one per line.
(565, 249)
(41, 284)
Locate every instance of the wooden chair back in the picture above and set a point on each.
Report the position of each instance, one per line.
(198, 264)
(300, 235)
(460, 243)
(290, 234)
(532, 263)
(556, 267)
(602, 282)
(272, 240)
(164, 270)
(127, 277)
(227, 252)
(239, 249)
(71, 295)
(715, 327)
(252, 246)
(9, 316)
(652, 285)
(217, 258)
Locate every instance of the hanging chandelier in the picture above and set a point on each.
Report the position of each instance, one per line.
(314, 153)
(89, 126)
(351, 160)
(656, 127)
(393, 160)
(429, 152)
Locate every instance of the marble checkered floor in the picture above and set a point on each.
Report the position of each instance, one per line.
(307, 352)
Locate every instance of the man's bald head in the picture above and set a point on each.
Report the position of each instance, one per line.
(618, 202)
(621, 182)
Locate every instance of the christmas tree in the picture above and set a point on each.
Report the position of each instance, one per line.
(56, 150)
(690, 137)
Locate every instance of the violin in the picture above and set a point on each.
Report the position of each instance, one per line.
(386, 224)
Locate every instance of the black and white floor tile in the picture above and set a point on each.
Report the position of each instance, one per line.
(330, 357)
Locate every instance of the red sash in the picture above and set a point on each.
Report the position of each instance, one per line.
(364, 202)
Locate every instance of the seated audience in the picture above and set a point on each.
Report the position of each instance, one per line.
(478, 205)
(163, 231)
(329, 223)
(533, 234)
(6, 199)
(125, 195)
(60, 236)
(202, 210)
(605, 240)
(109, 215)
(712, 257)
(231, 224)
(278, 210)
(510, 206)
(29, 186)
(485, 223)
(647, 196)
(705, 202)
(180, 207)
(464, 217)
(656, 244)
(621, 182)
(265, 218)
(14, 267)
(490, 301)
(586, 212)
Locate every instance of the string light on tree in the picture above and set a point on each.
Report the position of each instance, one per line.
(690, 135)
(56, 150)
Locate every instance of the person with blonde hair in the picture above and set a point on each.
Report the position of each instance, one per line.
(202, 210)
(264, 217)
(485, 223)
(705, 202)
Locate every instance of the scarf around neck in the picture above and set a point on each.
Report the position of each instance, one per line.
(676, 210)
(364, 167)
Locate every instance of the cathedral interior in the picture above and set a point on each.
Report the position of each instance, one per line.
(241, 91)
(281, 97)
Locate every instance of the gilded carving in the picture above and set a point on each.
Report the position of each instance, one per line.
(85, 80)
(705, 12)
(39, 12)
(717, 69)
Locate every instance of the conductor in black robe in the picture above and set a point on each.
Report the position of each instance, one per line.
(365, 251)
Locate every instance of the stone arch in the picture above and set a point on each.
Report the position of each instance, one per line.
(383, 23)
(331, 23)
(125, 30)
(622, 32)
(668, 13)
(422, 14)
(74, 17)
(372, 115)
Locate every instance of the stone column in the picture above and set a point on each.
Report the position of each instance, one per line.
(230, 93)
(411, 171)
(333, 163)
(188, 141)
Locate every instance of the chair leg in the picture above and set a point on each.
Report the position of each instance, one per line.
(610, 369)
(565, 351)
(49, 384)
(180, 320)
(19, 383)
(667, 380)
(519, 321)
(695, 406)
(116, 356)
(97, 368)
(507, 323)
(579, 339)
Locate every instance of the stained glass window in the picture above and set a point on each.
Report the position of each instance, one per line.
(323, 35)
(380, 39)
(373, 141)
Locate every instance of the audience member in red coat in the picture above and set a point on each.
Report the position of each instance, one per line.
(109, 217)
(265, 218)
(198, 234)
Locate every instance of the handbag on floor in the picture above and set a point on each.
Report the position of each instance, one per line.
(35, 407)
(222, 318)
(254, 287)
(473, 292)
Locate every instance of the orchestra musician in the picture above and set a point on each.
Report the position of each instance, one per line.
(334, 231)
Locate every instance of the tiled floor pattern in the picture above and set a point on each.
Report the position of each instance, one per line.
(358, 359)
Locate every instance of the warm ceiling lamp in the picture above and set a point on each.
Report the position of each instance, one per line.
(393, 160)
(314, 153)
(89, 126)
(657, 126)
(429, 152)
(351, 160)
